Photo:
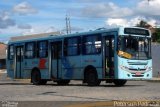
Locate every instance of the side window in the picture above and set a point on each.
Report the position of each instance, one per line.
(19, 54)
(11, 52)
(57, 50)
(110, 46)
(43, 49)
(72, 46)
(92, 44)
(30, 50)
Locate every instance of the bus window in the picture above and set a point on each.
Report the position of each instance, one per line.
(110, 46)
(30, 50)
(137, 47)
(43, 49)
(19, 54)
(11, 52)
(71, 46)
(57, 50)
(92, 44)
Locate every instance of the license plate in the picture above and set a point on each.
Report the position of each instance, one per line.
(138, 73)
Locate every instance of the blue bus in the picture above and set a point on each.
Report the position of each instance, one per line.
(111, 55)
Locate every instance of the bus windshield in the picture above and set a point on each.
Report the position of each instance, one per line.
(136, 48)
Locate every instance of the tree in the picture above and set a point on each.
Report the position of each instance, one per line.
(155, 31)
(143, 24)
(156, 35)
(2, 42)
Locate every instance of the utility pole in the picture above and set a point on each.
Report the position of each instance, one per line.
(68, 25)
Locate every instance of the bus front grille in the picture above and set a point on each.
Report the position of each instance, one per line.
(137, 75)
(132, 69)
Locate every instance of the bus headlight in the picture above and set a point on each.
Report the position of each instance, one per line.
(124, 68)
(149, 68)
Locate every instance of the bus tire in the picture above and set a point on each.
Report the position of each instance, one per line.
(92, 78)
(119, 82)
(63, 82)
(36, 78)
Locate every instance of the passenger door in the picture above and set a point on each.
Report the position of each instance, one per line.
(19, 62)
(109, 50)
(56, 63)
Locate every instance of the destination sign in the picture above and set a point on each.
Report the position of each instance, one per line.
(136, 31)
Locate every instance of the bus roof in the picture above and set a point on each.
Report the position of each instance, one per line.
(55, 36)
(52, 35)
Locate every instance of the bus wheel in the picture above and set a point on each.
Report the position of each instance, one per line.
(63, 82)
(92, 79)
(119, 82)
(36, 78)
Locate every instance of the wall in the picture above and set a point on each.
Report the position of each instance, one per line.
(156, 59)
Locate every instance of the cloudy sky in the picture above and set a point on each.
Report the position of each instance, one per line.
(23, 17)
